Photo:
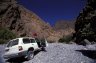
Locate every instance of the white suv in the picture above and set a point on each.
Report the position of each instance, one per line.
(23, 47)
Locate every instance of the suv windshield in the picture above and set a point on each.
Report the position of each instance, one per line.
(12, 43)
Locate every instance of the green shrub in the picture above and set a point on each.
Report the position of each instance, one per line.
(65, 39)
(5, 35)
(2, 41)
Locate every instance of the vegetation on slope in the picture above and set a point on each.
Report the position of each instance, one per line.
(6, 35)
(85, 25)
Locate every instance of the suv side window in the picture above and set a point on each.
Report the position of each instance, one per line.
(32, 40)
(26, 40)
(37, 40)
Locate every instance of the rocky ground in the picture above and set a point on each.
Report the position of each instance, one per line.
(62, 53)
(1, 53)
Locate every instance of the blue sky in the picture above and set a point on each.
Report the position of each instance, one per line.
(54, 10)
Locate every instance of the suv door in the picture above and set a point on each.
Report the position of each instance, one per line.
(26, 44)
(34, 43)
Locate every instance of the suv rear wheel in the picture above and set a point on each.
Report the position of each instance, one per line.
(30, 55)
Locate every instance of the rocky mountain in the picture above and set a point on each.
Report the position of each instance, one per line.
(22, 21)
(85, 25)
(64, 28)
(64, 24)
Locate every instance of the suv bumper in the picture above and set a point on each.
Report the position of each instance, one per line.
(15, 55)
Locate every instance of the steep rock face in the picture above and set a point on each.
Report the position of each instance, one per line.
(22, 21)
(26, 23)
(85, 25)
(63, 24)
(64, 27)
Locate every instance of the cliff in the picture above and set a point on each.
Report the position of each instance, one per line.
(85, 25)
(22, 21)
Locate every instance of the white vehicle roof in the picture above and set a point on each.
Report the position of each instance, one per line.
(22, 37)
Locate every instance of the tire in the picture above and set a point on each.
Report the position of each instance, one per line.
(30, 55)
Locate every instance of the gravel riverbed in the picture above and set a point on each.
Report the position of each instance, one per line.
(61, 53)
(58, 53)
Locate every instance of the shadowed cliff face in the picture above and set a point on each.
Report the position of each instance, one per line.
(22, 21)
(85, 25)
